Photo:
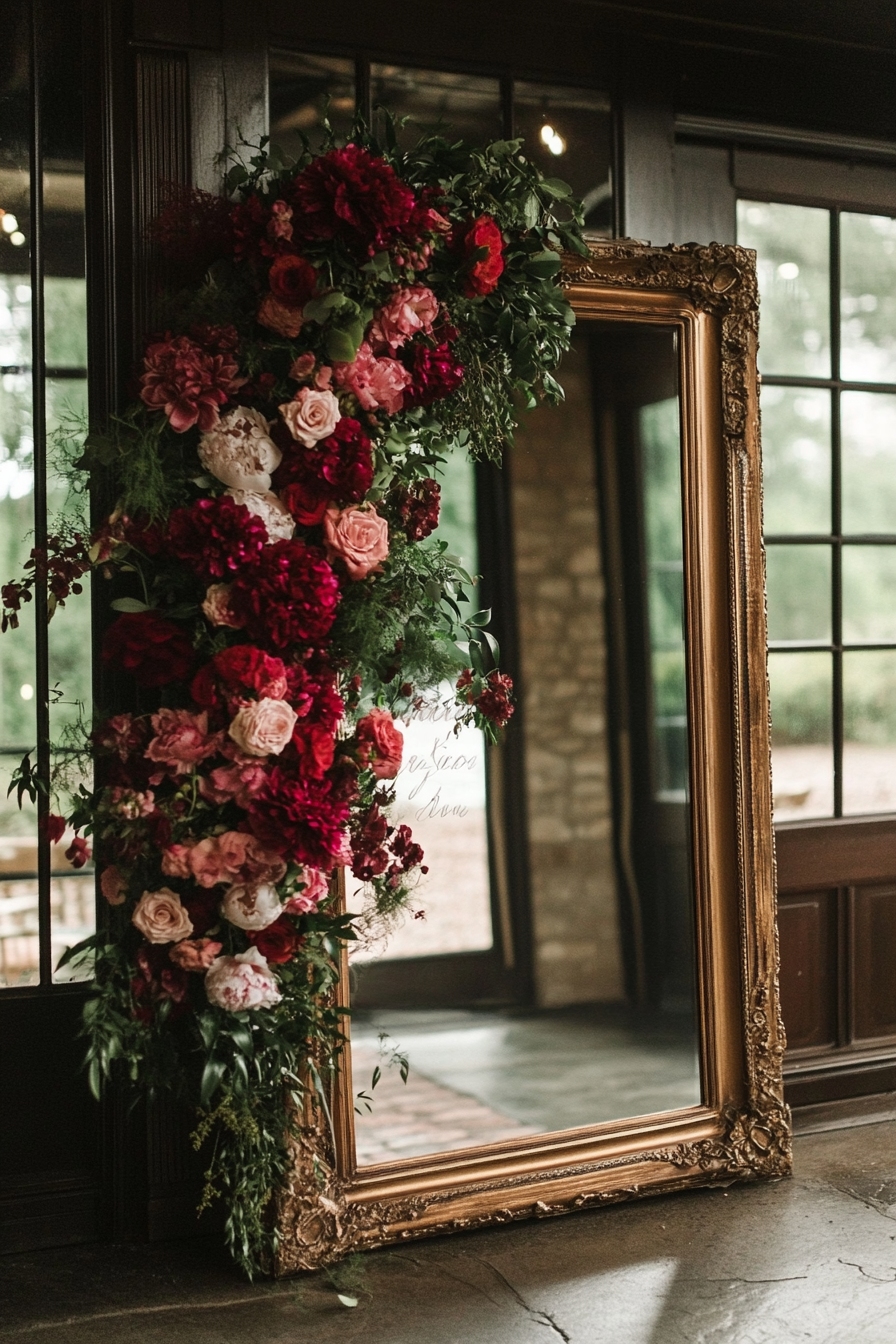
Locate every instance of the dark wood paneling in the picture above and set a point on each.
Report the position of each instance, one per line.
(807, 927)
(835, 853)
(873, 911)
(451, 981)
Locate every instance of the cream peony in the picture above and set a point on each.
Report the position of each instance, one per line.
(237, 983)
(252, 907)
(311, 415)
(239, 450)
(265, 505)
(216, 606)
(263, 727)
(161, 918)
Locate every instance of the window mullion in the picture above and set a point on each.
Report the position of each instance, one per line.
(836, 520)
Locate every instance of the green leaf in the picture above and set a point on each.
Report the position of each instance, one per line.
(318, 310)
(481, 617)
(531, 210)
(242, 1038)
(341, 345)
(129, 604)
(211, 1080)
(346, 1300)
(556, 187)
(543, 265)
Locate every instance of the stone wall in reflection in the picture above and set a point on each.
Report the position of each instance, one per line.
(560, 593)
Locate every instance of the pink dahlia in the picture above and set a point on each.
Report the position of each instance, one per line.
(189, 382)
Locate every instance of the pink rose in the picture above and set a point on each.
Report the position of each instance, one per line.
(316, 889)
(161, 918)
(234, 856)
(195, 954)
(113, 885)
(303, 367)
(263, 727)
(375, 382)
(360, 537)
(407, 312)
(380, 743)
(239, 450)
(181, 740)
(280, 225)
(237, 983)
(240, 782)
(311, 415)
(216, 607)
(279, 317)
(265, 505)
(251, 907)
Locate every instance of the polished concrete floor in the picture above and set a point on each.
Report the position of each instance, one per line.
(808, 1259)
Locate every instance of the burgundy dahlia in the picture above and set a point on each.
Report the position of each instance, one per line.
(154, 650)
(299, 818)
(289, 597)
(436, 374)
(351, 196)
(216, 537)
(338, 469)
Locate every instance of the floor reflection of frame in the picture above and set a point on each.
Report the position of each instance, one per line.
(479, 1077)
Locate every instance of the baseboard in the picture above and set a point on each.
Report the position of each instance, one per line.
(846, 1113)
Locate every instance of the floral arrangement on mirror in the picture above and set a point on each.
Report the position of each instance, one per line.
(335, 327)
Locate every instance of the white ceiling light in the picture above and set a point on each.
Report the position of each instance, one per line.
(9, 223)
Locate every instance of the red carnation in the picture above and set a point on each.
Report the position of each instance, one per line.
(300, 818)
(494, 699)
(419, 507)
(278, 943)
(188, 382)
(338, 469)
(353, 197)
(483, 274)
(154, 650)
(436, 374)
(217, 537)
(289, 597)
(293, 281)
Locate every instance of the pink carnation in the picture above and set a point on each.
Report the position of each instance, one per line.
(408, 312)
(181, 741)
(188, 382)
(377, 383)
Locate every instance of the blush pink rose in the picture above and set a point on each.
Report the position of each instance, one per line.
(377, 383)
(238, 983)
(181, 740)
(312, 415)
(161, 918)
(380, 743)
(195, 954)
(113, 885)
(408, 312)
(265, 505)
(360, 537)
(239, 451)
(316, 889)
(240, 782)
(263, 727)
(216, 607)
(251, 907)
(279, 317)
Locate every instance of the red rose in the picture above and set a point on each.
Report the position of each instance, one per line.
(154, 650)
(293, 281)
(289, 597)
(316, 747)
(78, 852)
(216, 537)
(380, 743)
(493, 700)
(483, 274)
(237, 670)
(278, 943)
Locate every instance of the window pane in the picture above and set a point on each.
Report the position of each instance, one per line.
(440, 789)
(792, 243)
(568, 134)
(868, 457)
(869, 594)
(467, 105)
(796, 459)
(868, 298)
(799, 593)
(299, 85)
(802, 751)
(869, 731)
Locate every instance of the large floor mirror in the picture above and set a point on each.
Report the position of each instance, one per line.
(582, 1005)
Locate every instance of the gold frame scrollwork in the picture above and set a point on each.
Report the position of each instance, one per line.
(741, 1131)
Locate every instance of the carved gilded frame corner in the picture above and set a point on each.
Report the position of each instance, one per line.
(741, 1131)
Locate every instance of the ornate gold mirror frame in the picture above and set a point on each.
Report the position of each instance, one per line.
(740, 1131)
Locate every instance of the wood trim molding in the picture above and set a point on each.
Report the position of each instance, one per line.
(836, 853)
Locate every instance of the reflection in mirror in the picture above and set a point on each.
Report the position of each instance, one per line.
(603, 1026)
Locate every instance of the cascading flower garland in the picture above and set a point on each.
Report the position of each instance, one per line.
(337, 330)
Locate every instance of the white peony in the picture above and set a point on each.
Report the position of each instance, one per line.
(265, 505)
(237, 983)
(251, 907)
(239, 450)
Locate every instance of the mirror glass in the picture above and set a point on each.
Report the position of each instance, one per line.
(545, 979)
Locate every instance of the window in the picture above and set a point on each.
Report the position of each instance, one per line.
(827, 280)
